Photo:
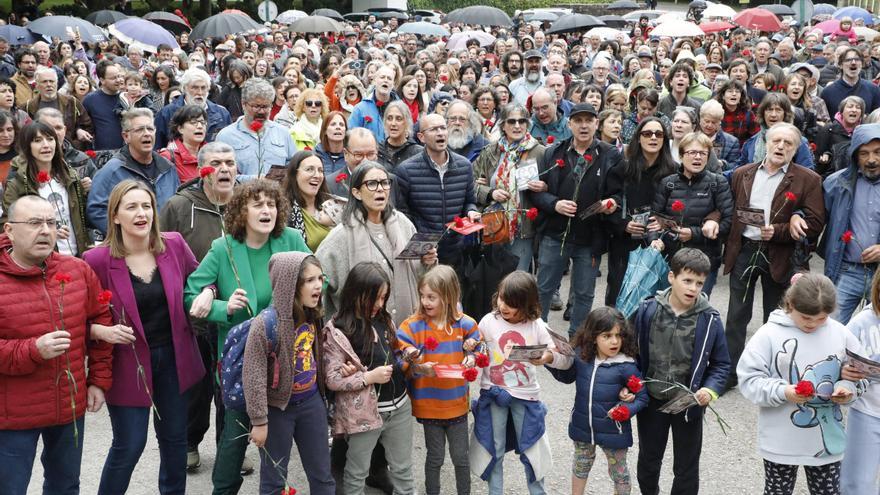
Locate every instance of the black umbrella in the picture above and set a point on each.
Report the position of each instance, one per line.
(480, 15)
(613, 20)
(328, 13)
(168, 21)
(357, 16)
(315, 24)
(392, 13)
(697, 4)
(62, 26)
(541, 16)
(622, 5)
(573, 23)
(224, 24)
(105, 17)
(778, 9)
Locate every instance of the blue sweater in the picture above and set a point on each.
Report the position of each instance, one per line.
(835, 92)
(101, 108)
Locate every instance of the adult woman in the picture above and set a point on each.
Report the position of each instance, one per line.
(610, 122)
(411, 95)
(739, 120)
(419, 74)
(293, 76)
(146, 272)
(646, 106)
(237, 73)
(399, 143)
(306, 189)
(446, 75)
(486, 105)
(189, 126)
(466, 91)
(684, 122)
(631, 65)
(287, 115)
(77, 86)
(833, 139)
(262, 69)
(372, 230)
(163, 79)
(344, 94)
(8, 103)
(40, 170)
(592, 94)
(773, 110)
(615, 98)
(503, 93)
(328, 64)
(279, 84)
(497, 180)
(717, 55)
(330, 148)
(708, 212)
(237, 265)
(647, 161)
(311, 109)
(795, 87)
(8, 150)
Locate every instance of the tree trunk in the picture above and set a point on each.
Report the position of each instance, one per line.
(204, 9)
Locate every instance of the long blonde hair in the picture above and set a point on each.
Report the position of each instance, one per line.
(442, 280)
(114, 231)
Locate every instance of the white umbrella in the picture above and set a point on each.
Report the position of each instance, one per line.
(609, 34)
(669, 16)
(458, 41)
(287, 17)
(718, 10)
(868, 33)
(677, 29)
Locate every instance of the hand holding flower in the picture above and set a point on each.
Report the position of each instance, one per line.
(238, 300)
(53, 344)
(703, 396)
(114, 334)
(767, 232)
(625, 395)
(469, 345)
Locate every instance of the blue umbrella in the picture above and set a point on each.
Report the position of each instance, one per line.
(65, 27)
(142, 33)
(17, 35)
(645, 274)
(823, 9)
(855, 13)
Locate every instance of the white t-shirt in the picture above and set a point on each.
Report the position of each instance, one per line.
(55, 193)
(520, 379)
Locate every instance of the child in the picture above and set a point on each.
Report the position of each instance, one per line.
(601, 368)
(860, 472)
(134, 96)
(800, 425)
(681, 340)
(765, 81)
(510, 388)
(440, 404)
(293, 408)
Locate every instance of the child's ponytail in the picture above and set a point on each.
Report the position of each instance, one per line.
(811, 294)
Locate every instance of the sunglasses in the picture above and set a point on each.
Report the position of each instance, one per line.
(647, 134)
(521, 122)
(313, 103)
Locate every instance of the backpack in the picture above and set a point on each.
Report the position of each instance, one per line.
(232, 362)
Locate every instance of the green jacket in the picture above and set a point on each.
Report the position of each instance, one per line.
(216, 270)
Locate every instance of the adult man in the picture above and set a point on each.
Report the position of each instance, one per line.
(75, 115)
(539, 42)
(600, 73)
(26, 61)
(555, 83)
(44, 57)
(196, 212)
(512, 65)
(134, 59)
(35, 353)
(7, 63)
(678, 82)
(359, 145)
(726, 147)
(805, 53)
(196, 85)
(762, 64)
(851, 83)
(136, 160)
(557, 63)
(531, 80)
(76, 159)
(368, 113)
(165, 53)
(259, 142)
(547, 118)
(785, 50)
(646, 61)
(571, 189)
(765, 253)
(710, 73)
(436, 186)
(101, 105)
(464, 134)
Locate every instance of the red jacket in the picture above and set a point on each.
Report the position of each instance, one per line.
(35, 392)
(186, 163)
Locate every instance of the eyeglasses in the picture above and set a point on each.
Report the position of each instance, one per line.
(35, 223)
(696, 153)
(514, 122)
(310, 103)
(362, 155)
(312, 171)
(373, 185)
(436, 128)
(259, 107)
(198, 122)
(142, 129)
(647, 134)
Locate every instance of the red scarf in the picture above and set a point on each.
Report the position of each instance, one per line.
(413, 109)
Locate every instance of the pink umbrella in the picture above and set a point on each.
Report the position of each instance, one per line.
(828, 27)
(715, 26)
(760, 19)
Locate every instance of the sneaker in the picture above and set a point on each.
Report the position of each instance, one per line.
(247, 466)
(193, 461)
(556, 302)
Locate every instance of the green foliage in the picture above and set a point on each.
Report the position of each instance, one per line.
(507, 6)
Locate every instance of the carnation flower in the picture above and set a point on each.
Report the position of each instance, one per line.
(550, 139)
(634, 384)
(341, 177)
(91, 153)
(257, 126)
(104, 297)
(677, 206)
(805, 388)
(459, 222)
(469, 374)
(619, 413)
(847, 237)
(43, 177)
(63, 278)
(206, 171)
(368, 119)
(532, 214)
(482, 360)
(431, 343)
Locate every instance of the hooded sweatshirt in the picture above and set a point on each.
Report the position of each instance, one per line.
(866, 327)
(781, 354)
(289, 372)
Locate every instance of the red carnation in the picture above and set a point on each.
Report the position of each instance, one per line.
(380, 104)
(550, 139)
(746, 52)
(444, 77)
(790, 196)
(609, 204)
(588, 158)
(43, 177)
(288, 491)
(677, 206)
(532, 214)
(488, 123)
(341, 177)
(634, 384)
(459, 222)
(257, 126)
(482, 360)
(91, 153)
(307, 148)
(560, 163)
(469, 374)
(431, 343)
(847, 237)
(63, 278)
(104, 297)
(368, 119)
(206, 171)
(619, 413)
(813, 147)
(805, 388)
(259, 39)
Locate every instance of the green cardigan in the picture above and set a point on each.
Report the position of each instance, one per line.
(216, 270)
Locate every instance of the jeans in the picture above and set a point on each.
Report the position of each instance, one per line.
(435, 447)
(396, 435)
(860, 472)
(516, 412)
(525, 250)
(61, 458)
(687, 444)
(742, 298)
(585, 269)
(853, 286)
(130, 426)
(226, 476)
(203, 393)
(712, 278)
(306, 423)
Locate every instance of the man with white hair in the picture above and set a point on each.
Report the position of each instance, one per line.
(75, 115)
(196, 85)
(600, 72)
(726, 147)
(369, 112)
(44, 58)
(785, 50)
(464, 134)
(531, 80)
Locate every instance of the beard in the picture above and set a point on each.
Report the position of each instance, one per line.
(533, 76)
(196, 100)
(458, 138)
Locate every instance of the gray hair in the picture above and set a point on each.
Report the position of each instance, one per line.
(784, 126)
(401, 107)
(872, 118)
(134, 113)
(193, 75)
(213, 148)
(257, 88)
(42, 69)
(712, 108)
(474, 121)
(48, 113)
(852, 99)
(690, 112)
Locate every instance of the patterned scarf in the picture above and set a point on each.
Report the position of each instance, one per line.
(760, 147)
(504, 177)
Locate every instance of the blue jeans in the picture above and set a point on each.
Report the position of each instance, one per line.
(524, 249)
(130, 426)
(584, 271)
(853, 286)
(61, 458)
(859, 471)
(499, 432)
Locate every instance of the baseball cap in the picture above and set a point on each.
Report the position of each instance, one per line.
(714, 66)
(645, 52)
(583, 108)
(533, 54)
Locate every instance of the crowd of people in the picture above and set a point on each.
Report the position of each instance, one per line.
(227, 227)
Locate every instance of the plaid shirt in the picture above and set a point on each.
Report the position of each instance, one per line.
(741, 124)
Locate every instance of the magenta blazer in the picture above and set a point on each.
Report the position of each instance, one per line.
(175, 265)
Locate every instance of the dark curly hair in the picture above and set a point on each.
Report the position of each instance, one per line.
(599, 321)
(235, 218)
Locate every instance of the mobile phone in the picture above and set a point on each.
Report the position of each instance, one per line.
(357, 65)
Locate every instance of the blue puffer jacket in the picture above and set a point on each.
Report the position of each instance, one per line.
(596, 393)
(429, 201)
